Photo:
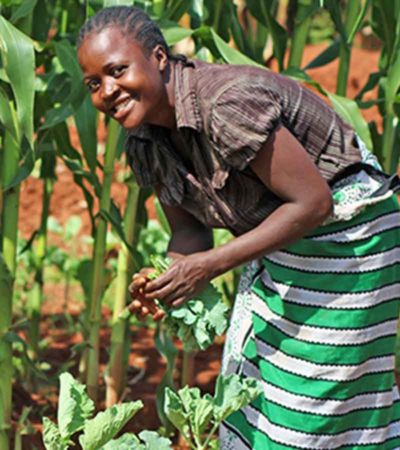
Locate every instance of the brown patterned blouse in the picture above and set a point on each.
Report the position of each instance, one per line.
(224, 114)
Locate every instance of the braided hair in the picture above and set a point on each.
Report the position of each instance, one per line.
(132, 21)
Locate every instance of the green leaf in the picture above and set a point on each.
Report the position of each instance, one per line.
(74, 406)
(24, 9)
(55, 116)
(102, 428)
(127, 441)
(202, 415)
(168, 351)
(25, 166)
(175, 9)
(19, 63)
(233, 393)
(350, 113)
(354, 28)
(6, 115)
(51, 436)
(262, 11)
(176, 412)
(172, 32)
(154, 441)
(231, 55)
(327, 56)
(86, 124)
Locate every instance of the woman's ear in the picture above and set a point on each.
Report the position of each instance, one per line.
(161, 57)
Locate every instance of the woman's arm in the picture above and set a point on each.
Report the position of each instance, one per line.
(188, 235)
(287, 170)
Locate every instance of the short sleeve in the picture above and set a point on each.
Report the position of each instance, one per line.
(242, 119)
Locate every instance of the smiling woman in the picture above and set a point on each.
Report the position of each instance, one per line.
(313, 215)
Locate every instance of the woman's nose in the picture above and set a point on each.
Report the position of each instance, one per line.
(109, 89)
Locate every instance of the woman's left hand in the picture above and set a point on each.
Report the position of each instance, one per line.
(186, 277)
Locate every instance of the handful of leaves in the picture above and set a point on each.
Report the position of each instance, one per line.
(198, 418)
(197, 321)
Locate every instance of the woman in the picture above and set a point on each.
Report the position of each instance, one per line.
(249, 150)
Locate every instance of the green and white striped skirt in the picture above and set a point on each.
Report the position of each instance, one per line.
(316, 323)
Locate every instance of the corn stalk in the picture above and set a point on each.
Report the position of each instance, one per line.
(98, 263)
(16, 124)
(116, 372)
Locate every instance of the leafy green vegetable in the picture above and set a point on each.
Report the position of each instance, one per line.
(198, 418)
(99, 430)
(51, 436)
(197, 321)
(74, 406)
(75, 411)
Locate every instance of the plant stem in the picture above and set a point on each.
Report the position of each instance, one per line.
(210, 436)
(390, 159)
(352, 9)
(98, 264)
(299, 36)
(187, 368)
(7, 276)
(36, 295)
(117, 368)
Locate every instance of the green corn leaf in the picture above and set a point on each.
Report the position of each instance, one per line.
(350, 113)
(262, 11)
(327, 56)
(25, 166)
(74, 406)
(220, 49)
(51, 436)
(153, 441)
(229, 54)
(372, 82)
(19, 63)
(175, 9)
(172, 32)
(86, 124)
(354, 27)
(55, 116)
(6, 115)
(102, 428)
(127, 441)
(23, 10)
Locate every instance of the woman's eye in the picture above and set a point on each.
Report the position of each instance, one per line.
(117, 71)
(92, 85)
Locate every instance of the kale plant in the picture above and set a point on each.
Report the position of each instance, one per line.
(198, 417)
(75, 415)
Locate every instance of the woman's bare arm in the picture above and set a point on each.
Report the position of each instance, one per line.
(188, 234)
(287, 170)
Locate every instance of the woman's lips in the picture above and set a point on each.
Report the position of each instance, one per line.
(123, 108)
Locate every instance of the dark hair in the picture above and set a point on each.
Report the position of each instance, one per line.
(131, 20)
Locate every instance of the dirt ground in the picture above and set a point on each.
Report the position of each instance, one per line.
(67, 199)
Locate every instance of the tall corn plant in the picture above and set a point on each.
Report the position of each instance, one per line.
(16, 129)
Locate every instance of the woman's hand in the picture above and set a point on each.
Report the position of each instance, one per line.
(140, 306)
(186, 277)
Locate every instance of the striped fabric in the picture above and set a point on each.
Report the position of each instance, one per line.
(321, 339)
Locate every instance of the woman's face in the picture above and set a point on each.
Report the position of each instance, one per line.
(122, 81)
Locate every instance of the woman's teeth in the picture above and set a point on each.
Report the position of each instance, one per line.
(124, 105)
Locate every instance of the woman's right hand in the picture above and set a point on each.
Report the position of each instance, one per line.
(140, 306)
